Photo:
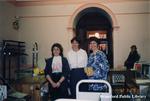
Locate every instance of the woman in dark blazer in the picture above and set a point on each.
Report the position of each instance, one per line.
(56, 72)
(132, 57)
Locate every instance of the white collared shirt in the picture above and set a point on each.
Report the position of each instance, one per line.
(57, 64)
(77, 59)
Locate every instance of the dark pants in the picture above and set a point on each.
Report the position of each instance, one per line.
(75, 76)
(128, 64)
(62, 91)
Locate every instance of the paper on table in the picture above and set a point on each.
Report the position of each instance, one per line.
(17, 95)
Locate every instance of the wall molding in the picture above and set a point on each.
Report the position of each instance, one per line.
(43, 16)
(132, 13)
(21, 3)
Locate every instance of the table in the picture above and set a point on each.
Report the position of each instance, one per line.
(124, 85)
(144, 87)
(143, 82)
(31, 86)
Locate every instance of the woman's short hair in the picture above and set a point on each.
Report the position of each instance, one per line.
(93, 39)
(76, 39)
(133, 46)
(58, 46)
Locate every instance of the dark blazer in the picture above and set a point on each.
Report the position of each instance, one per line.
(62, 91)
(65, 67)
(132, 58)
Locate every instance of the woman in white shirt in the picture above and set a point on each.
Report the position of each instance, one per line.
(77, 59)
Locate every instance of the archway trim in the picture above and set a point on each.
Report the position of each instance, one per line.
(98, 5)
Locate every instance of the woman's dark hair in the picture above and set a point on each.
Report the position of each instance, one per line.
(58, 46)
(76, 39)
(93, 39)
(133, 46)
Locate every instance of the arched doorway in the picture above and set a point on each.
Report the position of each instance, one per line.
(93, 21)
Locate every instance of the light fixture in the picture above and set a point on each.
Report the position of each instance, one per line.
(97, 35)
(15, 23)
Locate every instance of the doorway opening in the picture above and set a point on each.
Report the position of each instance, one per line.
(94, 21)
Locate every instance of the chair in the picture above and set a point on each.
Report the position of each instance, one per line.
(94, 96)
(44, 91)
(12, 94)
(138, 68)
(118, 83)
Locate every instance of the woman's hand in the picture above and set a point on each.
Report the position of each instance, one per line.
(89, 71)
(54, 85)
(51, 81)
(58, 84)
(60, 81)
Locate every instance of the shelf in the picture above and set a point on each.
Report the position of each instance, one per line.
(12, 52)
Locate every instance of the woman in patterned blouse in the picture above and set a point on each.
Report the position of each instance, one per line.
(99, 63)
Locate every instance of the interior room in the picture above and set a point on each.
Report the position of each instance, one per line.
(29, 28)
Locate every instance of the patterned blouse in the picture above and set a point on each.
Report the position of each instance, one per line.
(100, 66)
